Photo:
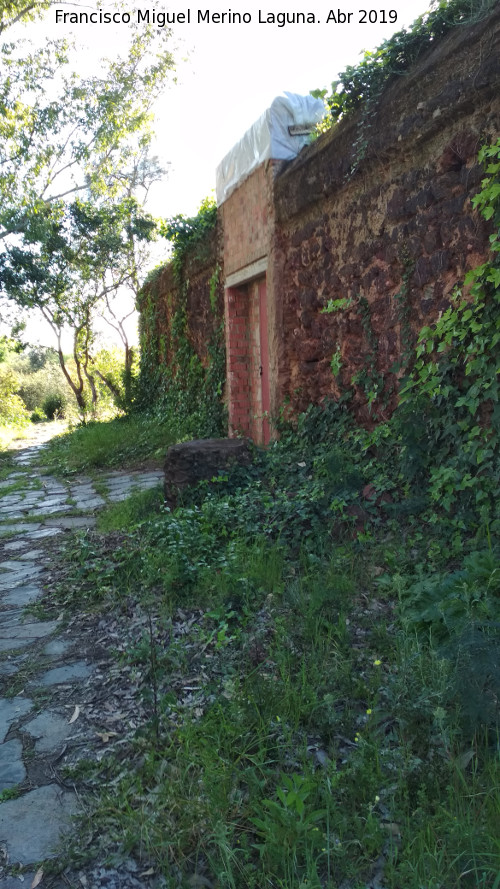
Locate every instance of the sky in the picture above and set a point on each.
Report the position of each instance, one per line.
(227, 72)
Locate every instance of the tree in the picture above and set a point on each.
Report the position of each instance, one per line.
(62, 135)
(72, 257)
(134, 260)
(14, 11)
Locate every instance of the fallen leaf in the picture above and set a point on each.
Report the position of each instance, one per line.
(148, 873)
(37, 879)
(105, 736)
(76, 714)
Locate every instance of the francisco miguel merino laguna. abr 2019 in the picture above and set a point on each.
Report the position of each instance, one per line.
(200, 16)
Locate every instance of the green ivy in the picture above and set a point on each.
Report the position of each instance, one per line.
(361, 86)
(173, 380)
(453, 390)
(358, 84)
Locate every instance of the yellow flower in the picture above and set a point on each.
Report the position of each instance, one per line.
(368, 712)
(377, 663)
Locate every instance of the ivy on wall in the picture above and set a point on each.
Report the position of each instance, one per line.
(443, 439)
(361, 86)
(450, 403)
(173, 379)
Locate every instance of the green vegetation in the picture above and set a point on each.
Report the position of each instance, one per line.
(314, 642)
(75, 167)
(33, 387)
(361, 85)
(300, 649)
(105, 444)
(183, 386)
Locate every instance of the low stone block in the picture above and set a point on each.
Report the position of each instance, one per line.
(200, 460)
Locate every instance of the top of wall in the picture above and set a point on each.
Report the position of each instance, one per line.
(269, 138)
(461, 72)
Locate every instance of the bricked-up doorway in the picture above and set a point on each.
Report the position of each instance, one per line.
(247, 345)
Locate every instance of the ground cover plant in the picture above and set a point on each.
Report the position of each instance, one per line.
(301, 719)
(131, 440)
(312, 643)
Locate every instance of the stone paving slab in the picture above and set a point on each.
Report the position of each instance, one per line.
(49, 731)
(42, 533)
(32, 554)
(8, 499)
(51, 510)
(13, 637)
(24, 574)
(72, 522)
(10, 565)
(12, 769)
(21, 596)
(9, 668)
(23, 881)
(56, 647)
(89, 503)
(10, 710)
(32, 825)
(69, 673)
(22, 528)
(15, 545)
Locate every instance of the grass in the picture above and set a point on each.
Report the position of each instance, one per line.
(299, 724)
(123, 441)
(10, 434)
(136, 508)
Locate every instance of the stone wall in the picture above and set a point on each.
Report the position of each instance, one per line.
(162, 298)
(391, 239)
(374, 217)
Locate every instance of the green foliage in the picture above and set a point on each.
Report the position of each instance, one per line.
(12, 408)
(61, 254)
(53, 407)
(459, 613)
(9, 347)
(38, 415)
(173, 381)
(187, 234)
(454, 387)
(108, 444)
(336, 362)
(13, 11)
(138, 507)
(362, 84)
(316, 640)
(45, 382)
(360, 87)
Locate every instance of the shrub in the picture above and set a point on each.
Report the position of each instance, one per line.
(53, 406)
(38, 416)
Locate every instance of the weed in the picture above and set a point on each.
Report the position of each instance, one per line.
(9, 793)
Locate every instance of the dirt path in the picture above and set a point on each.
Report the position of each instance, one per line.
(47, 667)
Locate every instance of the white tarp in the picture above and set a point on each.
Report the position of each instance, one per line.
(269, 138)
